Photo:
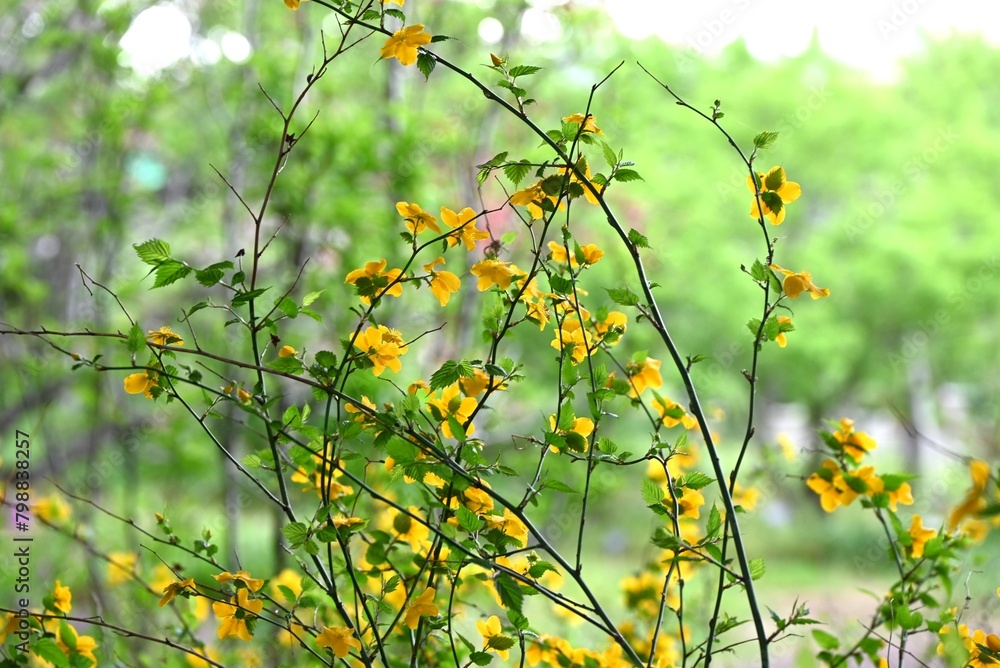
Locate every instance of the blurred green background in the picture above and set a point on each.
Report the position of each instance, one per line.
(102, 147)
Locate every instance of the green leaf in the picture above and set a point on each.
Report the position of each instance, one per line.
(242, 298)
(558, 486)
(516, 171)
(609, 154)
(765, 140)
(209, 276)
(136, 339)
(501, 642)
(623, 296)
(523, 70)
(425, 63)
(295, 532)
(825, 640)
(695, 480)
(510, 592)
(758, 271)
(440, 38)
(450, 372)
(311, 297)
(757, 568)
(560, 285)
(252, 461)
(290, 365)
(652, 493)
(468, 520)
(626, 175)
(396, 13)
(481, 658)
(169, 272)
(154, 251)
(288, 306)
(714, 522)
(47, 649)
(753, 325)
(637, 239)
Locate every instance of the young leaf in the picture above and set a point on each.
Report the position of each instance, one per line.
(425, 62)
(154, 251)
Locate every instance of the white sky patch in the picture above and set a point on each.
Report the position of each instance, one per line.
(235, 47)
(490, 30)
(870, 34)
(158, 37)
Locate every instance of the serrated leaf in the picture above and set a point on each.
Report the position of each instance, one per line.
(510, 592)
(558, 486)
(714, 522)
(426, 64)
(47, 649)
(136, 339)
(440, 38)
(169, 272)
(637, 239)
(523, 70)
(468, 520)
(290, 365)
(242, 298)
(252, 461)
(753, 325)
(758, 271)
(295, 532)
(623, 296)
(626, 175)
(516, 171)
(396, 13)
(765, 140)
(652, 493)
(311, 297)
(695, 480)
(609, 154)
(153, 252)
(450, 372)
(757, 568)
(210, 276)
(481, 658)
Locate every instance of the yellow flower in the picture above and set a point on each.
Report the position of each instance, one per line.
(589, 126)
(291, 4)
(464, 226)
(493, 636)
(417, 220)
(920, 537)
(854, 443)
(404, 527)
(452, 404)
(573, 178)
(52, 509)
(572, 335)
(787, 448)
(532, 197)
(382, 346)
(140, 383)
(443, 283)
(673, 413)
(492, 272)
(83, 645)
(747, 497)
(233, 616)
(775, 193)
(398, 2)
(62, 598)
(510, 524)
(243, 396)
(478, 383)
(902, 494)
(421, 606)
(582, 427)
(121, 567)
(795, 284)
(288, 579)
(251, 583)
(689, 503)
(780, 338)
(979, 471)
(404, 42)
(174, 588)
(478, 501)
(375, 281)
(617, 322)
(164, 336)
(644, 374)
(287, 351)
(339, 639)
(591, 254)
(207, 652)
(831, 487)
